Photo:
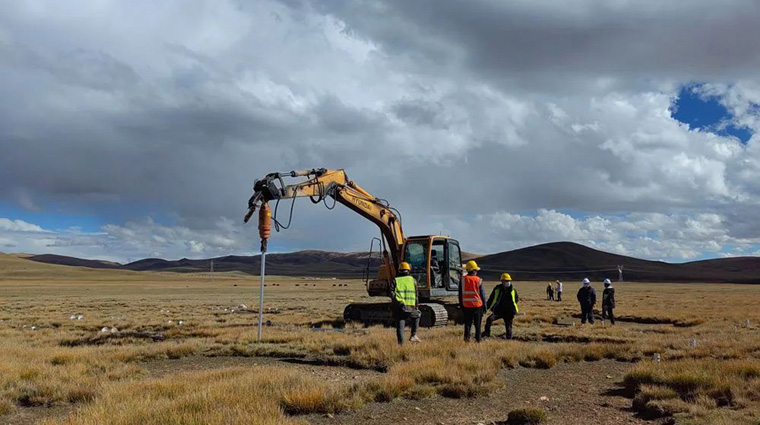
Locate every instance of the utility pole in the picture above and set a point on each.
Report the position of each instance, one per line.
(212, 271)
(620, 273)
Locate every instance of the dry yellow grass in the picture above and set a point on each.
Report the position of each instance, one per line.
(697, 388)
(263, 396)
(70, 362)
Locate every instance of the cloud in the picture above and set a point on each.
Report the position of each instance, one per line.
(18, 226)
(450, 110)
(130, 241)
(671, 237)
(644, 235)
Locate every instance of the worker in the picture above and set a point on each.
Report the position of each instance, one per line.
(549, 292)
(608, 301)
(558, 290)
(587, 299)
(404, 295)
(503, 305)
(471, 296)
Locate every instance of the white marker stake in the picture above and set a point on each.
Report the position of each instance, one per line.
(261, 291)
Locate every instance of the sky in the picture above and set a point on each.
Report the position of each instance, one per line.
(132, 129)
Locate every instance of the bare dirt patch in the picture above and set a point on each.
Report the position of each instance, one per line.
(576, 393)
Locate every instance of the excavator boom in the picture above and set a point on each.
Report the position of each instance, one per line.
(322, 183)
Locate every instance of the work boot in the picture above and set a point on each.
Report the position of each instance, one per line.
(414, 339)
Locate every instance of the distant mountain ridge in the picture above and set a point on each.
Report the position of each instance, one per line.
(300, 263)
(565, 261)
(572, 261)
(63, 260)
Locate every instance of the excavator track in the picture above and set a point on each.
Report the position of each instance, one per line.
(433, 315)
(369, 314)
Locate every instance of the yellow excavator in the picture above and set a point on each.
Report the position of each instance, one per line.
(436, 260)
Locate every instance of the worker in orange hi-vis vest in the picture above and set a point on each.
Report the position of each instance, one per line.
(472, 297)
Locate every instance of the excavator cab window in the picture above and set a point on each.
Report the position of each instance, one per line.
(438, 263)
(414, 254)
(455, 264)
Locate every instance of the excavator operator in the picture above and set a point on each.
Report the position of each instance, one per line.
(435, 269)
(405, 299)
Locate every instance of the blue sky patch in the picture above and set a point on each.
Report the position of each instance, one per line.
(55, 221)
(706, 113)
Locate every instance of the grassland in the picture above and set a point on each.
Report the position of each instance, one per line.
(152, 370)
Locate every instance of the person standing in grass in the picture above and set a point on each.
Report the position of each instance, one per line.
(503, 305)
(549, 292)
(608, 301)
(587, 299)
(558, 291)
(404, 296)
(471, 296)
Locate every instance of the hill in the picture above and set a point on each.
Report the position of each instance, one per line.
(571, 261)
(73, 261)
(559, 260)
(301, 263)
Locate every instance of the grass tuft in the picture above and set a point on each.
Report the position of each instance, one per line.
(526, 416)
(81, 395)
(643, 402)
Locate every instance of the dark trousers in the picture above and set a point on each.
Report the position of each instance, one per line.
(550, 295)
(587, 313)
(472, 316)
(607, 313)
(401, 318)
(507, 324)
(559, 295)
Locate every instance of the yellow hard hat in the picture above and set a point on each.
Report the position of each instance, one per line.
(505, 276)
(405, 266)
(471, 265)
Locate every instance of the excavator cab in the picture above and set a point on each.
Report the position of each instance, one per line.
(436, 264)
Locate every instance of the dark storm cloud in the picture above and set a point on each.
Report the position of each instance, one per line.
(419, 112)
(173, 110)
(529, 43)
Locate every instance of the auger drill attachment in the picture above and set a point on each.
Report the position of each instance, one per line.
(265, 225)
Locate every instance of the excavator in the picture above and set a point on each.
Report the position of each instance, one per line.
(436, 261)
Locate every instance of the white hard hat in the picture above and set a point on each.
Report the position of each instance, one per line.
(586, 281)
(607, 281)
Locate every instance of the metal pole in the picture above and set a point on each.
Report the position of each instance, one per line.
(261, 290)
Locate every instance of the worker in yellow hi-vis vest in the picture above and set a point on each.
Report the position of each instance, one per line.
(503, 305)
(404, 295)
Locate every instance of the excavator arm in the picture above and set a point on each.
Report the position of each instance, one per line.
(321, 183)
